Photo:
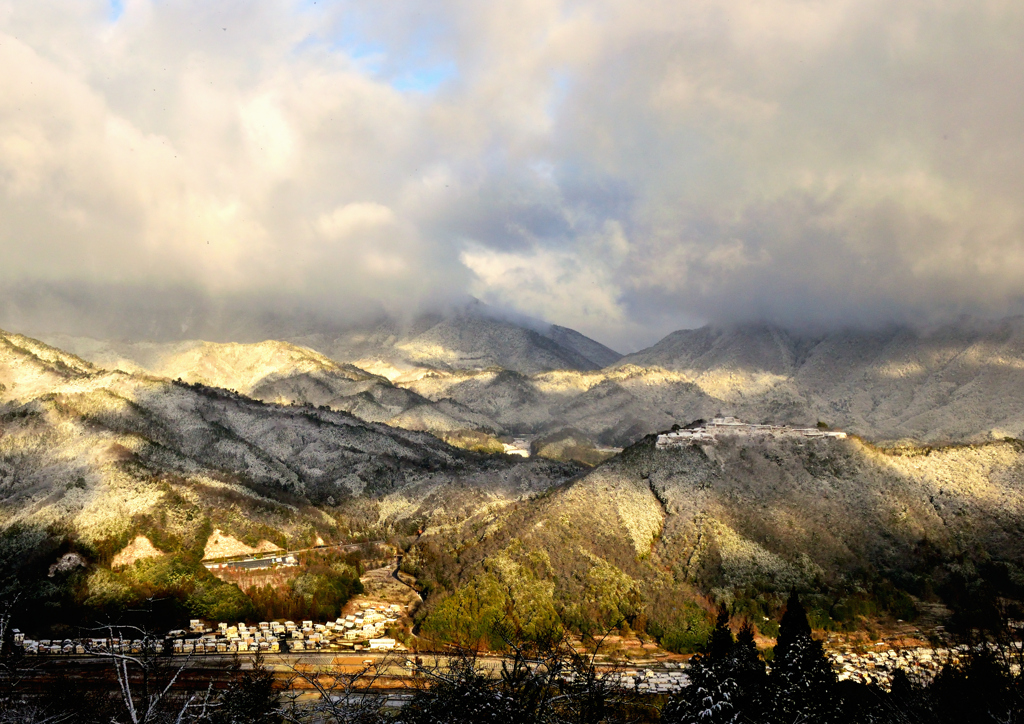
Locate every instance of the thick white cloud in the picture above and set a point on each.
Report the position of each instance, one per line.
(582, 281)
(622, 168)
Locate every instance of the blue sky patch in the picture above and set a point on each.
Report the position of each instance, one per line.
(425, 80)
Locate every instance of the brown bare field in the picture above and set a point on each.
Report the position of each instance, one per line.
(221, 545)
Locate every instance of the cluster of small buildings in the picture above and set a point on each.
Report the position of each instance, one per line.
(266, 637)
(879, 666)
(60, 646)
(368, 624)
(364, 629)
(868, 667)
(721, 426)
(668, 678)
(92, 645)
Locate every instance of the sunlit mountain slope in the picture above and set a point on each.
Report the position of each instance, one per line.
(465, 341)
(97, 450)
(29, 368)
(961, 381)
(615, 406)
(282, 373)
(96, 466)
(744, 521)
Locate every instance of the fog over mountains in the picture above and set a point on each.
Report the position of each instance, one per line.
(959, 382)
(624, 173)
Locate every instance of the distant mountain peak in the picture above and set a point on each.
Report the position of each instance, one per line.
(600, 355)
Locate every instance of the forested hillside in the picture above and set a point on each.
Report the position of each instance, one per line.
(652, 536)
(91, 459)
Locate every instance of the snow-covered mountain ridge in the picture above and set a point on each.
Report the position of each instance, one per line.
(96, 449)
(962, 382)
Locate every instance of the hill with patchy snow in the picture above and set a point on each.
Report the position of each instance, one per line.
(860, 529)
(465, 341)
(281, 373)
(963, 381)
(109, 455)
(960, 382)
(92, 458)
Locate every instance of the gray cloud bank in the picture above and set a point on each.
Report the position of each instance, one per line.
(618, 168)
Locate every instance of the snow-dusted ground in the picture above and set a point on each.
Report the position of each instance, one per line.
(99, 449)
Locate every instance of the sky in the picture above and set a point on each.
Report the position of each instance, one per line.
(621, 168)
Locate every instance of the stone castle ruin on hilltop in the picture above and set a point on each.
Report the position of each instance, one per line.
(722, 426)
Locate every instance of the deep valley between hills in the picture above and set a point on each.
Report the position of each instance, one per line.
(306, 441)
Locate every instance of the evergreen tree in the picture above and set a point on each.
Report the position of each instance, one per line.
(714, 695)
(711, 698)
(721, 644)
(747, 668)
(802, 681)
